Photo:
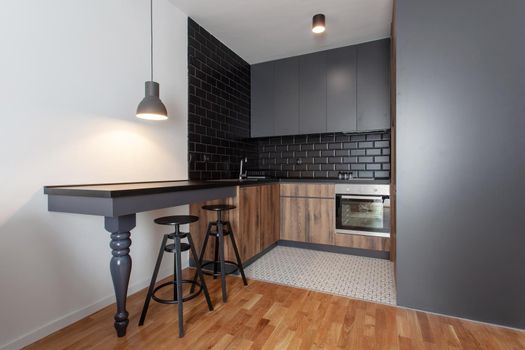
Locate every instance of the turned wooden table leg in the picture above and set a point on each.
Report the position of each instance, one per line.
(120, 265)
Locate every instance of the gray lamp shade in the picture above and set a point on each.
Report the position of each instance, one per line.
(151, 107)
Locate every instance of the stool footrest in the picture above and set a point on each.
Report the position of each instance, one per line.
(218, 274)
(173, 301)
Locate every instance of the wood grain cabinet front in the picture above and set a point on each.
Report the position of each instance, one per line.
(308, 190)
(307, 213)
(249, 221)
(269, 215)
(255, 221)
(320, 221)
(293, 219)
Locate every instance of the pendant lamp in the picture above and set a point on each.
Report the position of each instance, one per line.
(151, 107)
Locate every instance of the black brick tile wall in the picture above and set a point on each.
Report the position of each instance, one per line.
(325, 155)
(218, 108)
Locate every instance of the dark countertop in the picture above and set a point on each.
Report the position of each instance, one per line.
(113, 190)
(337, 181)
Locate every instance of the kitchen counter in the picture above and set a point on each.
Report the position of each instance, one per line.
(113, 190)
(337, 181)
(248, 182)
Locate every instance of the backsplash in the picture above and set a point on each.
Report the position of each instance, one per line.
(218, 107)
(325, 155)
(219, 127)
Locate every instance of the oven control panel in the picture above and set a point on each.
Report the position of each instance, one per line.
(368, 189)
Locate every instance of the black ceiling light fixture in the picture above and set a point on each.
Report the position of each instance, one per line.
(151, 107)
(318, 23)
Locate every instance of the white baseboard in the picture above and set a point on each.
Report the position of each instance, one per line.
(74, 316)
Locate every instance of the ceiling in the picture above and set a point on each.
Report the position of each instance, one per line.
(264, 30)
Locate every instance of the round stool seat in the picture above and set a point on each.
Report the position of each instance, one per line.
(170, 248)
(219, 207)
(176, 220)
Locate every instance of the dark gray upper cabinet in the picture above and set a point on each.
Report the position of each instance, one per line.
(341, 90)
(373, 85)
(312, 93)
(262, 96)
(286, 96)
(341, 87)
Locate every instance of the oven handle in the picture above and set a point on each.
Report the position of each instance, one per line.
(380, 198)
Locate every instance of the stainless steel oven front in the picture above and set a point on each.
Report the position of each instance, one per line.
(362, 209)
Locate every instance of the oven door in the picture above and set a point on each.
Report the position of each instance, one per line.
(363, 215)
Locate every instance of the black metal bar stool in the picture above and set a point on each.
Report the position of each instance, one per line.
(176, 248)
(223, 228)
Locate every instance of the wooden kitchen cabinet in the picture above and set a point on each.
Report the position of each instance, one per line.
(308, 190)
(308, 215)
(255, 222)
(320, 220)
(198, 229)
(248, 234)
(269, 215)
(293, 219)
(362, 242)
(307, 212)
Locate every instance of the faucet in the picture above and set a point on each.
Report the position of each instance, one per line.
(243, 175)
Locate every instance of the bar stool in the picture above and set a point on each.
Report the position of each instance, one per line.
(176, 248)
(223, 228)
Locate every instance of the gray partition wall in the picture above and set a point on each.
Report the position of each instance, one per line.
(461, 158)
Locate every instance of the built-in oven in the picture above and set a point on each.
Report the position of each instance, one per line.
(362, 209)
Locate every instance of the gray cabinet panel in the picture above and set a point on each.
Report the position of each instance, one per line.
(373, 85)
(286, 96)
(341, 86)
(461, 238)
(344, 89)
(262, 99)
(312, 93)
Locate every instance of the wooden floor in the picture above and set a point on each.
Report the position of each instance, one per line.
(269, 316)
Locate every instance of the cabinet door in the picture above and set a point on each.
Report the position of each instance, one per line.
(307, 190)
(373, 82)
(362, 242)
(270, 215)
(341, 85)
(312, 93)
(262, 104)
(248, 233)
(286, 96)
(293, 219)
(320, 220)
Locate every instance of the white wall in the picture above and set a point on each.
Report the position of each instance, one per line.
(72, 74)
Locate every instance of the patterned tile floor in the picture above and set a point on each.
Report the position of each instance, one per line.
(349, 275)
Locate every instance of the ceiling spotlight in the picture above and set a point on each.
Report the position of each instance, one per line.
(318, 24)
